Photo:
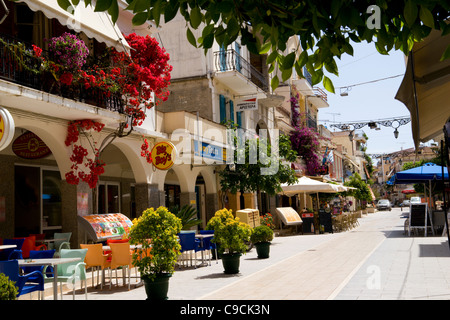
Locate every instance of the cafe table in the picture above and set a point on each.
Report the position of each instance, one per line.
(53, 262)
(7, 246)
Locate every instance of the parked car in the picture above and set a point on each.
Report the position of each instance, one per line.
(405, 203)
(384, 204)
(415, 200)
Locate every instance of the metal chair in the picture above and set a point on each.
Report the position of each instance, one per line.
(26, 283)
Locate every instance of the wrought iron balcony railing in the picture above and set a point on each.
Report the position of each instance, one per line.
(20, 66)
(230, 60)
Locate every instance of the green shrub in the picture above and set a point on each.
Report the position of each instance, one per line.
(8, 290)
(261, 234)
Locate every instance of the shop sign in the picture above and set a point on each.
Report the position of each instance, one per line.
(206, 150)
(307, 215)
(7, 128)
(163, 155)
(30, 146)
(247, 104)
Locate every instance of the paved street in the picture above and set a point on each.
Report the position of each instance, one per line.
(373, 261)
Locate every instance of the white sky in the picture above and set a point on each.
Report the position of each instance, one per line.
(372, 101)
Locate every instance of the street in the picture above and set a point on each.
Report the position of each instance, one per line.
(375, 260)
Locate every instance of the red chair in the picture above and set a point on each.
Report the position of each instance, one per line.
(30, 244)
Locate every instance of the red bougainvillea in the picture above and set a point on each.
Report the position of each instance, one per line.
(80, 154)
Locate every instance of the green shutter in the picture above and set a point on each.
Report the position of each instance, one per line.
(231, 110)
(223, 110)
(239, 118)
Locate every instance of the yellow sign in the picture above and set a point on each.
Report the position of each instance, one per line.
(163, 155)
(6, 128)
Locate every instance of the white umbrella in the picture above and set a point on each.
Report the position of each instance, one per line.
(308, 185)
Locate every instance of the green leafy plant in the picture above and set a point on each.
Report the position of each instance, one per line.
(229, 233)
(187, 215)
(8, 289)
(261, 234)
(156, 231)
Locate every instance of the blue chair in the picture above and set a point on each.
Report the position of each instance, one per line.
(188, 244)
(27, 283)
(208, 244)
(41, 254)
(13, 253)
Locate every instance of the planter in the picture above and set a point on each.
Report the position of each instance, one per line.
(230, 262)
(262, 249)
(158, 288)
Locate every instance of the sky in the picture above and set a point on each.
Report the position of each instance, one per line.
(373, 101)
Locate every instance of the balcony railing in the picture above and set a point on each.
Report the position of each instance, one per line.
(230, 60)
(18, 65)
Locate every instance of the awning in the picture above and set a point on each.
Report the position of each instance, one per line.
(425, 89)
(96, 25)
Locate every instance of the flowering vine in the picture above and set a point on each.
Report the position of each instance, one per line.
(305, 140)
(79, 155)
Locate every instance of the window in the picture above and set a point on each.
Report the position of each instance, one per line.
(226, 109)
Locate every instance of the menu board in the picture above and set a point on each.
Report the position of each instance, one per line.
(289, 216)
(103, 226)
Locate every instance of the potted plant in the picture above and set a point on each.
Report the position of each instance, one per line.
(8, 290)
(261, 237)
(156, 233)
(230, 236)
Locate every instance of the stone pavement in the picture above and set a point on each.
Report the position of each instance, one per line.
(372, 261)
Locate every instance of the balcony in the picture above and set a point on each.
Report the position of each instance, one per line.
(237, 73)
(19, 66)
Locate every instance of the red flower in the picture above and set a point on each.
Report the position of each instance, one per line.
(37, 51)
(66, 78)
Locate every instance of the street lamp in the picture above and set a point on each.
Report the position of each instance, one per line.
(396, 133)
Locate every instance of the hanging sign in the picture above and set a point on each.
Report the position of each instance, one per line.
(163, 155)
(7, 128)
(30, 146)
(247, 104)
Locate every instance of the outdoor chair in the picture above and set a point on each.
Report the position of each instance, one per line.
(121, 257)
(30, 244)
(96, 259)
(26, 283)
(40, 254)
(188, 244)
(13, 253)
(209, 244)
(62, 241)
(72, 271)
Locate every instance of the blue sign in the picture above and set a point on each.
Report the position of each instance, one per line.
(208, 151)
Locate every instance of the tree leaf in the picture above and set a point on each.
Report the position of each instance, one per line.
(328, 84)
(139, 18)
(170, 11)
(64, 4)
(196, 17)
(274, 82)
(410, 12)
(446, 53)
(265, 48)
(103, 5)
(114, 11)
(426, 16)
(288, 61)
(286, 74)
(191, 37)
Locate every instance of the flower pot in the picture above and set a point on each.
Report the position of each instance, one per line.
(230, 262)
(158, 288)
(262, 249)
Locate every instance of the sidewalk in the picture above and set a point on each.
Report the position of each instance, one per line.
(373, 261)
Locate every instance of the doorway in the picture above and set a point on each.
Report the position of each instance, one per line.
(108, 197)
(37, 198)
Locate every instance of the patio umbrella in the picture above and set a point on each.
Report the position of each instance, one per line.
(308, 185)
(426, 173)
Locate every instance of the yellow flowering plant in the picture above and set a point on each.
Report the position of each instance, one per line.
(156, 232)
(230, 234)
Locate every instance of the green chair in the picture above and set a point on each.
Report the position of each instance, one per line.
(72, 271)
(62, 241)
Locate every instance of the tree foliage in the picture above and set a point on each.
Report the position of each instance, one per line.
(248, 175)
(326, 29)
